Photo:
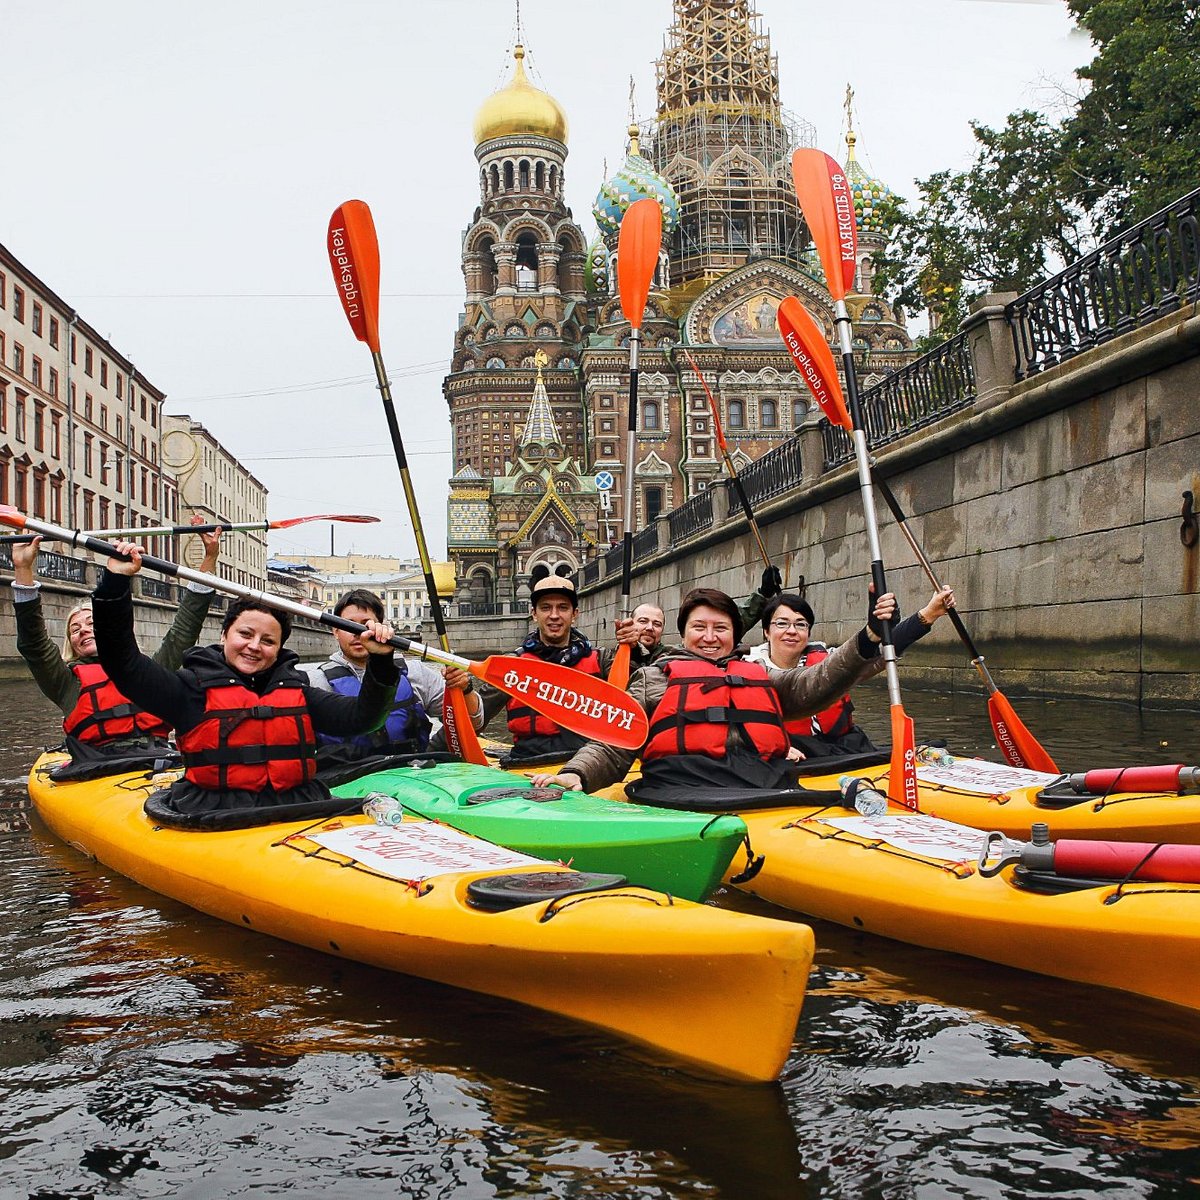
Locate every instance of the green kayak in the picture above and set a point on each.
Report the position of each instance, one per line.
(685, 854)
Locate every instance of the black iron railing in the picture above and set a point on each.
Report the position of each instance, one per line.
(591, 573)
(52, 566)
(778, 471)
(645, 542)
(1140, 275)
(157, 589)
(614, 558)
(934, 386)
(691, 517)
(500, 609)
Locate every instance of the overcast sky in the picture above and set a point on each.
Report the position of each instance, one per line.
(170, 170)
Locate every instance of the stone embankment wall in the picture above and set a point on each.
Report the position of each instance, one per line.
(1052, 505)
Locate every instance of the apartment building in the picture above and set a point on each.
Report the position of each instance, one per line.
(213, 483)
(79, 425)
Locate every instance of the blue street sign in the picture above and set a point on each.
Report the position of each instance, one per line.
(604, 480)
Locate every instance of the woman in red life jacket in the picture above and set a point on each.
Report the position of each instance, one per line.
(103, 729)
(555, 605)
(717, 722)
(245, 716)
(787, 622)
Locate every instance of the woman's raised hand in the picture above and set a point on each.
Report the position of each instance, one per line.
(126, 566)
(24, 560)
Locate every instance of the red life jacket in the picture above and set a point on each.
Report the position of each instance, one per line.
(247, 742)
(102, 714)
(703, 700)
(832, 722)
(523, 722)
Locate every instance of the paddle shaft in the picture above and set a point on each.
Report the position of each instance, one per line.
(176, 571)
(976, 658)
(410, 498)
(635, 339)
(862, 458)
(730, 469)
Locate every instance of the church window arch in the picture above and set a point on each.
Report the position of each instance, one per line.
(483, 181)
(487, 265)
(553, 179)
(737, 414)
(523, 174)
(508, 176)
(539, 176)
(769, 414)
(651, 417)
(799, 412)
(495, 178)
(527, 262)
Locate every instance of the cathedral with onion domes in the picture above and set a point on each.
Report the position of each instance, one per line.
(539, 379)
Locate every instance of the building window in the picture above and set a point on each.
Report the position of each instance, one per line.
(650, 418)
(55, 435)
(103, 373)
(120, 386)
(3, 288)
(652, 501)
(20, 483)
(87, 360)
(52, 386)
(87, 406)
(3, 407)
(87, 454)
(154, 416)
(35, 371)
(737, 414)
(35, 322)
(19, 417)
(770, 414)
(39, 493)
(18, 304)
(54, 332)
(39, 426)
(104, 417)
(799, 412)
(56, 510)
(73, 359)
(18, 359)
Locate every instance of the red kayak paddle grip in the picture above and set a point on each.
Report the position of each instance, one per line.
(1167, 778)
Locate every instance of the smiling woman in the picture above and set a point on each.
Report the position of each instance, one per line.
(246, 717)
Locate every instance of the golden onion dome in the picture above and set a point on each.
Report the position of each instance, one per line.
(520, 108)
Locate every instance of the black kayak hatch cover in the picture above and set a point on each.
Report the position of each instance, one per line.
(499, 892)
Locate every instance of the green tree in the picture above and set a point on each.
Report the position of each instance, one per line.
(1041, 193)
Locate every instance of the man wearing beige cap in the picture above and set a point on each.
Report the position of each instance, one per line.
(555, 605)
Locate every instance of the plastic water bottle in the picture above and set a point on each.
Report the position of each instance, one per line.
(935, 756)
(859, 795)
(383, 809)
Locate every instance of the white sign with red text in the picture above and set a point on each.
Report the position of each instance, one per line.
(984, 778)
(916, 833)
(415, 850)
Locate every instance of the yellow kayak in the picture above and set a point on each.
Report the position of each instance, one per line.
(988, 795)
(915, 878)
(716, 991)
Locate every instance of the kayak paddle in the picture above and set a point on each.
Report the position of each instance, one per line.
(638, 244)
(584, 704)
(354, 256)
(213, 527)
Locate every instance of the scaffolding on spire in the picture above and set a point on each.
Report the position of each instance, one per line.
(724, 142)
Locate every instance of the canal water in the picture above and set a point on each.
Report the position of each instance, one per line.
(147, 1050)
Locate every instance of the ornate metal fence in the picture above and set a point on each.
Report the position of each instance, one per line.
(53, 566)
(778, 471)
(934, 386)
(645, 542)
(591, 573)
(1138, 276)
(691, 517)
(157, 589)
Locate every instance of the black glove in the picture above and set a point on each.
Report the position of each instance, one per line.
(772, 583)
(873, 623)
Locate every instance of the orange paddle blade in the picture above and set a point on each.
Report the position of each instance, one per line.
(354, 257)
(460, 732)
(814, 360)
(824, 194)
(902, 776)
(1016, 743)
(348, 518)
(13, 517)
(618, 673)
(584, 704)
(638, 244)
